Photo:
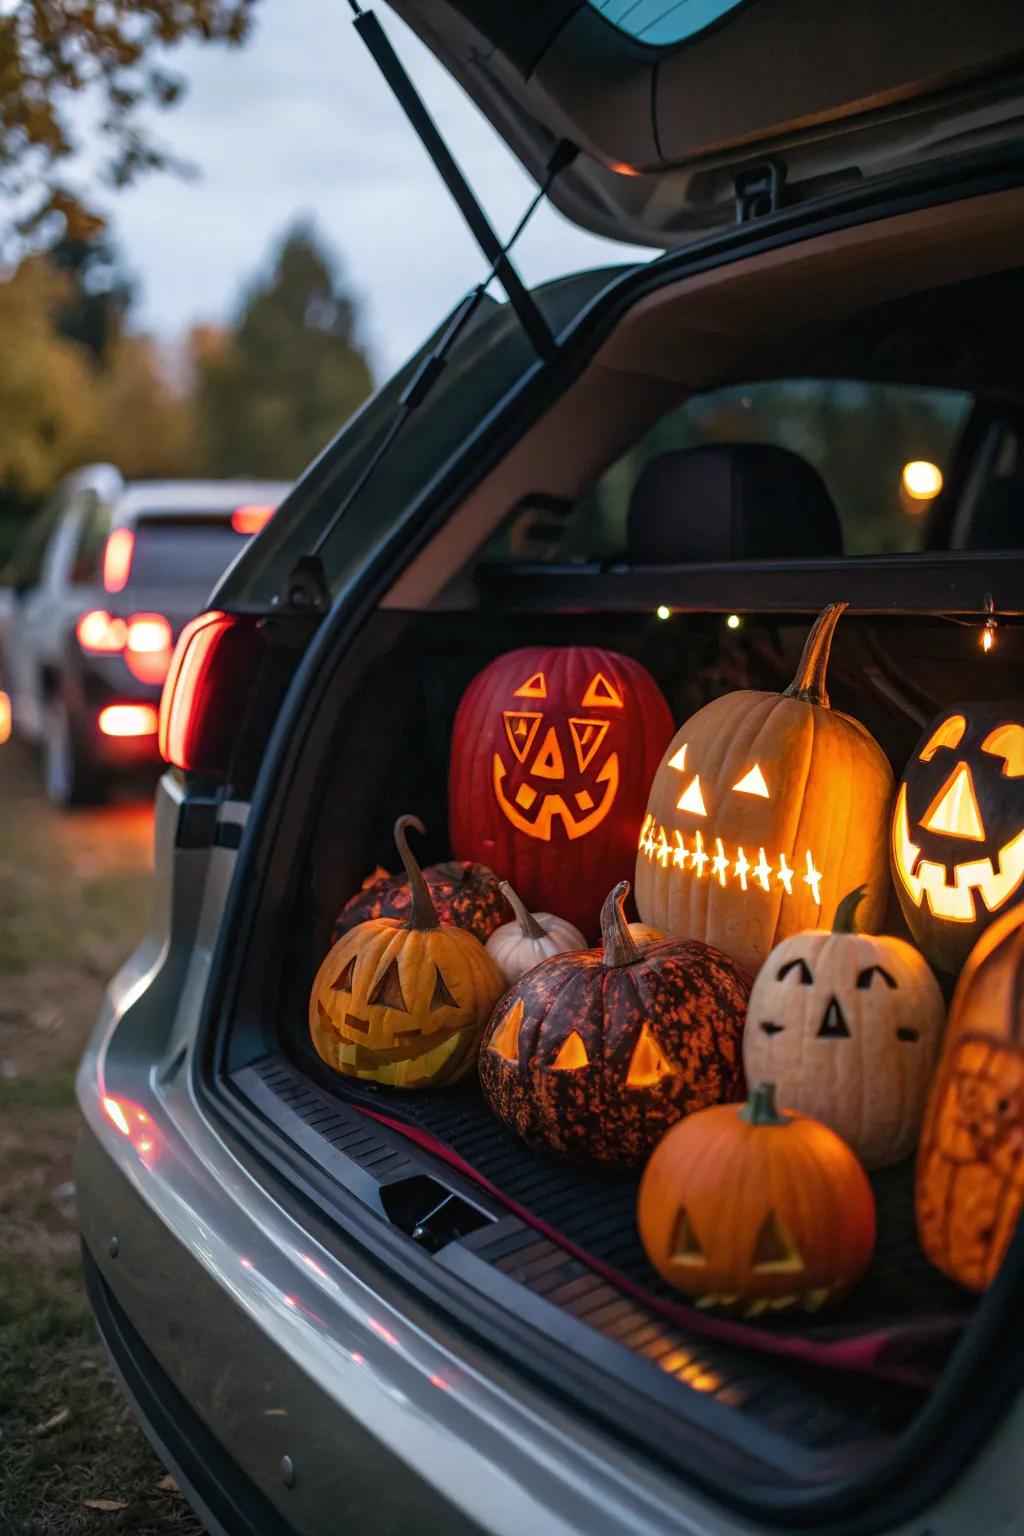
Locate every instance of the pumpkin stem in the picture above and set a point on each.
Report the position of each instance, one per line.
(422, 912)
(760, 1108)
(619, 944)
(528, 924)
(845, 920)
(809, 683)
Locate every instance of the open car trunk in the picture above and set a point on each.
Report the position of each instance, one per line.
(539, 1256)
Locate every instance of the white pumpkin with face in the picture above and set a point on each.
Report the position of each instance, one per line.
(848, 1026)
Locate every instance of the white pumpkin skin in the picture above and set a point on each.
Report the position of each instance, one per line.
(518, 946)
(843, 1043)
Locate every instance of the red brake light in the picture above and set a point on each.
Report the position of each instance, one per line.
(117, 558)
(5, 717)
(147, 651)
(98, 632)
(128, 720)
(251, 519)
(204, 692)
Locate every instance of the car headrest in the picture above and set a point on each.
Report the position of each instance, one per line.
(730, 501)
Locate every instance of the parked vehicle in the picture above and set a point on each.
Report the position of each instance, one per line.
(94, 598)
(340, 1304)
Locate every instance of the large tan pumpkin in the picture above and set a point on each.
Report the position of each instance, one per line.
(767, 808)
(848, 1026)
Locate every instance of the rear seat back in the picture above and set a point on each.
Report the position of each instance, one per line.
(730, 501)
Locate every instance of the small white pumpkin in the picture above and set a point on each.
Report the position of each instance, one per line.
(848, 1026)
(517, 947)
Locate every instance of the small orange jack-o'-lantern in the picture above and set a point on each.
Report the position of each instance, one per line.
(970, 1164)
(404, 1003)
(958, 829)
(767, 808)
(551, 756)
(754, 1209)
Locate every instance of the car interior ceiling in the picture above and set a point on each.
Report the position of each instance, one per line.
(393, 702)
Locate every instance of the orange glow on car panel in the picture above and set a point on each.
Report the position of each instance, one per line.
(249, 520)
(117, 559)
(128, 720)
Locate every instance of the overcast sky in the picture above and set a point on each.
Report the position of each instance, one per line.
(300, 123)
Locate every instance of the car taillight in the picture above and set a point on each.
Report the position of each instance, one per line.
(250, 519)
(117, 559)
(98, 632)
(147, 650)
(205, 692)
(128, 720)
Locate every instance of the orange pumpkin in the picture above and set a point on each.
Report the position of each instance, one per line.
(767, 808)
(748, 1208)
(970, 1164)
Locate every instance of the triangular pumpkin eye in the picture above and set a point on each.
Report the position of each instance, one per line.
(534, 688)
(775, 1251)
(955, 810)
(601, 694)
(387, 989)
(803, 973)
(647, 1065)
(1007, 742)
(753, 783)
(505, 1042)
(344, 982)
(442, 997)
(948, 733)
(572, 1054)
(691, 798)
(686, 1248)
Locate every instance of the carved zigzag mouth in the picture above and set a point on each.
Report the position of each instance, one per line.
(711, 859)
(925, 880)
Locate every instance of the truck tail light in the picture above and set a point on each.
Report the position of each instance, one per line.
(205, 692)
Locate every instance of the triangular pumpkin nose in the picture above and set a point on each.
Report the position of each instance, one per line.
(548, 762)
(954, 811)
(833, 1025)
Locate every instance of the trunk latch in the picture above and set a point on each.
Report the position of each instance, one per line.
(759, 190)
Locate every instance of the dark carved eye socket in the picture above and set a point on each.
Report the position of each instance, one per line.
(772, 1029)
(803, 975)
(442, 997)
(343, 983)
(869, 973)
(387, 990)
(905, 1032)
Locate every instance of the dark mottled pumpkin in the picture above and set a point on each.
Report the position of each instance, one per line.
(467, 895)
(594, 1055)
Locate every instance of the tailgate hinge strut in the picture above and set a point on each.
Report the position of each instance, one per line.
(391, 67)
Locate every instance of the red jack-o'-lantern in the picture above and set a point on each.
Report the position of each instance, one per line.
(552, 753)
(958, 829)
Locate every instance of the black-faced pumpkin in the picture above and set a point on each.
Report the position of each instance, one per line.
(970, 1163)
(404, 1003)
(552, 752)
(466, 895)
(767, 808)
(958, 828)
(593, 1055)
(754, 1209)
(848, 1026)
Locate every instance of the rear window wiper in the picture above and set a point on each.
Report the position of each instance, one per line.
(306, 585)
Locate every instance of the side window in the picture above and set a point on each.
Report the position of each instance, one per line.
(93, 527)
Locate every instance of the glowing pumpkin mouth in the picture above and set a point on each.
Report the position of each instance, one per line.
(924, 880)
(710, 859)
(539, 825)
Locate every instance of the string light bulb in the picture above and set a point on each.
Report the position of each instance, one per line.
(663, 612)
(733, 621)
(988, 633)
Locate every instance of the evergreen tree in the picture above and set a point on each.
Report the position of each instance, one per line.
(288, 374)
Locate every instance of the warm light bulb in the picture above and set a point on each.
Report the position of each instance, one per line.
(663, 612)
(987, 639)
(733, 621)
(922, 480)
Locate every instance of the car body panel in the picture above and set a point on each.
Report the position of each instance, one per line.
(667, 131)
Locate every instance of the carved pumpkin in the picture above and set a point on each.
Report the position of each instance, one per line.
(848, 1027)
(756, 1210)
(517, 947)
(466, 895)
(767, 808)
(552, 753)
(404, 1003)
(594, 1055)
(958, 829)
(970, 1164)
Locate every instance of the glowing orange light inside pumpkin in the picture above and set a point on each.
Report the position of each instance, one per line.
(925, 880)
(572, 1054)
(753, 783)
(1007, 742)
(117, 559)
(949, 734)
(954, 812)
(691, 799)
(724, 866)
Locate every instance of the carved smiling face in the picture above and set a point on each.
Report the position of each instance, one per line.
(958, 829)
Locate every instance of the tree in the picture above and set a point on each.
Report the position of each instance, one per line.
(52, 51)
(290, 372)
(99, 294)
(142, 425)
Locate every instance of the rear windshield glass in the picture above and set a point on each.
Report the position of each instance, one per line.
(183, 552)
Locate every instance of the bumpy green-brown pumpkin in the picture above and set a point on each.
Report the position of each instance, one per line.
(466, 895)
(593, 1055)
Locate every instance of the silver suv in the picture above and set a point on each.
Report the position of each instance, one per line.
(337, 1306)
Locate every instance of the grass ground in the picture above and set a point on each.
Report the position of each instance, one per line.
(74, 898)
